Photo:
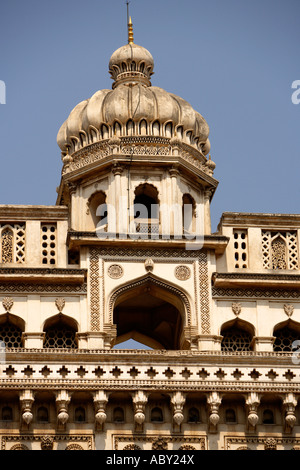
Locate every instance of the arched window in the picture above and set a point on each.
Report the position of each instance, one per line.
(268, 417)
(118, 415)
(230, 416)
(60, 332)
(143, 127)
(97, 212)
(188, 213)
(7, 237)
(7, 413)
(10, 335)
(278, 252)
(284, 338)
(130, 128)
(169, 129)
(236, 338)
(117, 129)
(156, 415)
(104, 131)
(79, 415)
(193, 415)
(156, 128)
(146, 209)
(42, 415)
(93, 135)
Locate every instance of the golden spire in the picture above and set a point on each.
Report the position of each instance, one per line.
(130, 31)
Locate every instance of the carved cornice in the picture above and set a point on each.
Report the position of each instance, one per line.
(292, 281)
(212, 242)
(42, 275)
(23, 213)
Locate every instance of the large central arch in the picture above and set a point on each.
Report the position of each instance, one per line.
(152, 312)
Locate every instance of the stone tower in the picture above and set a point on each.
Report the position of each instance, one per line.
(127, 253)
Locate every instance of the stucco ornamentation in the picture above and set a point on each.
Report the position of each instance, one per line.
(115, 271)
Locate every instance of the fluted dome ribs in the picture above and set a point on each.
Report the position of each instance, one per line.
(132, 107)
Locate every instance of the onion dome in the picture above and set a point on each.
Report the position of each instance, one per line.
(132, 107)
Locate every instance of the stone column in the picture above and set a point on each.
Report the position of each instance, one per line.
(72, 192)
(118, 225)
(176, 205)
(207, 219)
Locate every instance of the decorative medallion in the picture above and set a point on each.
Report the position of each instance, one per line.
(236, 308)
(288, 309)
(182, 273)
(7, 303)
(115, 271)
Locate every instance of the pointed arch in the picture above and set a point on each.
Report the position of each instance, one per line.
(151, 311)
(11, 330)
(175, 296)
(237, 335)
(285, 333)
(97, 210)
(60, 332)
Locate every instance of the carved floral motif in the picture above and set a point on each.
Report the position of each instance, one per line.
(115, 271)
(182, 272)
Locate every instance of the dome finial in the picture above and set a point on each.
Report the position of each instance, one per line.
(129, 24)
(130, 31)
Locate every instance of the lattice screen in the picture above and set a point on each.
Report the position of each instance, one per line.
(48, 234)
(12, 246)
(279, 250)
(240, 248)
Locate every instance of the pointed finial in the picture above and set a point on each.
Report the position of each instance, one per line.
(130, 31)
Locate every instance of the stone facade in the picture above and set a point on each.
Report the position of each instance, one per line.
(219, 312)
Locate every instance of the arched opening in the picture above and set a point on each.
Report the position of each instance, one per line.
(188, 214)
(7, 238)
(193, 415)
(97, 212)
(268, 417)
(117, 129)
(60, 332)
(143, 127)
(278, 253)
(237, 336)
(11, 329)
(7, 413)
(146, 209)
(104, 132)
(169, 129)
(79, 414)
(118, 415)
(156, 128)
(130, 127)
(150, 314)
(287, 336)
(230, 416)
(42, 415)
(156, 415)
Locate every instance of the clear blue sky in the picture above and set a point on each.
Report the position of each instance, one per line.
(233, 60)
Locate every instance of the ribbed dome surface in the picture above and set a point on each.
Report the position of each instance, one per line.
(132, 107)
